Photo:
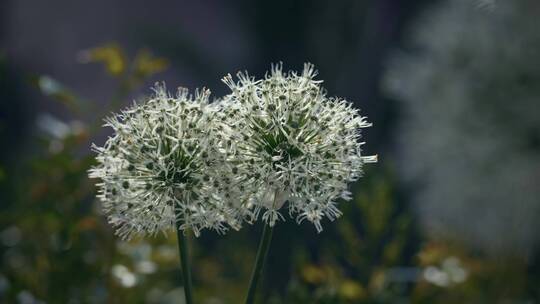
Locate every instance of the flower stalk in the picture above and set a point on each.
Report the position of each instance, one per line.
(185, 264)
(260, 260)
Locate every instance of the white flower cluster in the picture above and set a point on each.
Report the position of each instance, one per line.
(165, 166)
(470, 134)
(293, 144)
(180, 161)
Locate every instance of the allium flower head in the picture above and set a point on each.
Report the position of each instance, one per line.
(473, 103)
(163, 166)
(293, 144)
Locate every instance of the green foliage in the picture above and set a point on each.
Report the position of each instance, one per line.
(56, 245)
(371, 238)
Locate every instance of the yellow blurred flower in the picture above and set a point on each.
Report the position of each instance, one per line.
(145, 64)
(111, 55)
(313, 274)
(351, 290)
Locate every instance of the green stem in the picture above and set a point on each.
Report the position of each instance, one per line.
(184, 260)
(262, 252)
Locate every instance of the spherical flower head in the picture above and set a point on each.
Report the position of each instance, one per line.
(294, 144)
(162, 166)
(473, 103)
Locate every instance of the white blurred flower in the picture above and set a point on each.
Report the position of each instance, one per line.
(163, 165)
(26, 297)
(146, 267)
(486, 4)
(291, 143)
(124, 276)
(470, 134)
(450, 272)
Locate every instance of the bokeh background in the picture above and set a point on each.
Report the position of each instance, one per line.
(450, 214)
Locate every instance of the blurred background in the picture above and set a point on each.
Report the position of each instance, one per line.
(450, 214)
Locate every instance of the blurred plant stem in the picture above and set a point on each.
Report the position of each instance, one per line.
(260, 260)
(185, 265)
